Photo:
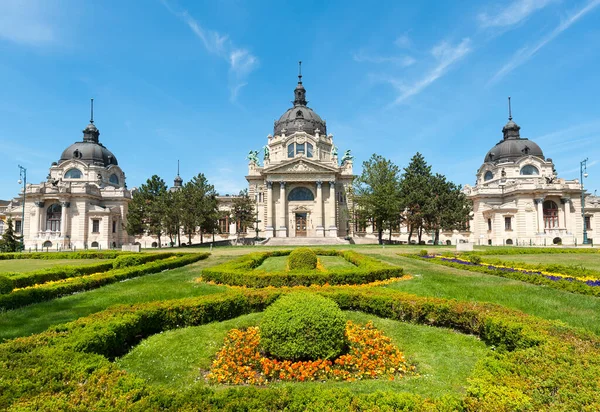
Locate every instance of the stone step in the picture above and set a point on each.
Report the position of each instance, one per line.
(305, 241)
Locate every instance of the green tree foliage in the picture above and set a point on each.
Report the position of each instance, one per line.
(200, 207)
(416, 193)
(10, 242)
(242, 211)
(147, 209)
(377, 193)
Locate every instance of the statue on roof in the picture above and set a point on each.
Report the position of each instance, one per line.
(347, 157)
(267, 152)
(334, 151)
(253, 156)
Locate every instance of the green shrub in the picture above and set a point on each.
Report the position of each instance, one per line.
(140, 258)
(423, 252)
(6, 285)
(475, 259)
(302, 259)
(303, 326)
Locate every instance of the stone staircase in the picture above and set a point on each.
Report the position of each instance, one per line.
(305, 241)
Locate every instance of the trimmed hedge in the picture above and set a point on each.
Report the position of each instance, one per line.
(536, 365)
(565, 285)
(109, 254)
(302, 258)
(530, 250)
(48, 291)
(242, 271)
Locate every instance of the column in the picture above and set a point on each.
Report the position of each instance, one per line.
(282, 230)
(332, 230)
(566, 202)
(269, 223)
(63, 218)
(319, 210)
(41, 225)
(540, 215)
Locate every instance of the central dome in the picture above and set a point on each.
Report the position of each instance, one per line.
(513, 147)
(90, 150)
(300, 118)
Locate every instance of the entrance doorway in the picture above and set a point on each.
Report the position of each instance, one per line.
(300, 224)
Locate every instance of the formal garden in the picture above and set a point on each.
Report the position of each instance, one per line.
(331, 328)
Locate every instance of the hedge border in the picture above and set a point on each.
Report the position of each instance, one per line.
(242, 271)
(109, 254)
(568, 286)
(49, 291)
(537, 365)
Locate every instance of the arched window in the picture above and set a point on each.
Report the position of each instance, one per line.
(529, 170)
(291, 150)
(94, 244)
(309, 150)
(47, 243)
(114, 179)
(301, 193)
(73, 174)
(53, 216)
(488, 176)
(300, 148)
(550, 214)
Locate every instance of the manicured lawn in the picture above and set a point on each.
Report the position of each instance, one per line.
(588, 261)
(29, 265)
(444, 358)
(439, 281)
(278, 263)
(172, 284)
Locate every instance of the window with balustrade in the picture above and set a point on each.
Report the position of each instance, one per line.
(53, 217)
(550, 214)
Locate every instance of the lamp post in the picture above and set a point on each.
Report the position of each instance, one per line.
(257, 221)
(583, 173)
(23, 179)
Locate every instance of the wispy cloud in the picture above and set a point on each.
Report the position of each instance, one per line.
(241, 61)
(403, 42)
(26, 22)
(525, 53)
(445, 55)
(512, 13)
(403, 61)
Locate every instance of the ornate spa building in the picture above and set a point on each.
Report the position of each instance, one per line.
(82, 204)
(519, 199)
(302, 187)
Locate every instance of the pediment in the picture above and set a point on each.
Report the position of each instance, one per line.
(301, 165)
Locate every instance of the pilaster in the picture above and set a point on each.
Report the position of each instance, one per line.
(282, 229)
(332, 229)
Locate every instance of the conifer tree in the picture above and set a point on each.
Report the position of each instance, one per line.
(10, 242)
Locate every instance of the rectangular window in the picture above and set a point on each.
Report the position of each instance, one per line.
(18, 226)
(507, 223)
(224, 225)
(489, 224)
(588, 223)
(291, 150)
(95, 226)
(309, 150)
(114, 226)
(299, 148)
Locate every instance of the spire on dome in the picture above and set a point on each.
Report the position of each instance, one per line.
(511, 129)
(178, 180)
(300, 91)
(91, 132)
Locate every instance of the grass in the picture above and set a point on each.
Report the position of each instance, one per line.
(588, 261)
(279, 263)
(29, 265)
(444, 358)
(172, 284)
(440, 281)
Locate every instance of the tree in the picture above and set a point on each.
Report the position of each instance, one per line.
(203, 202)
(377, 193)
(10, 242)
(172, 215)
(146, 210)
(242, 211)
(416, 194)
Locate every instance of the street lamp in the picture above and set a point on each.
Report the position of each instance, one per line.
(23, 179)
(583, 173)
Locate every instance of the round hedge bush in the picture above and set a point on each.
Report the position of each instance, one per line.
(302, 259)
(303, 326)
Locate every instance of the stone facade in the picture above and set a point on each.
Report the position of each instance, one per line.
(81, 205)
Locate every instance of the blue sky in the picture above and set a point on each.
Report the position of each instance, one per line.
(202, 82)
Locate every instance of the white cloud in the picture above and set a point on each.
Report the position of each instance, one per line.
(402, 61)
(446, 55)
(512, 13)
(403, 42)
(26, 22)
(525, 53)
(241, 61)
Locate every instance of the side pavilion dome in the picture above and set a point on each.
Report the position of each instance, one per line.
(513, 146)
(300, 118)
(90, 150)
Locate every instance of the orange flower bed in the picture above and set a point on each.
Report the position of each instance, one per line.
(371, 355)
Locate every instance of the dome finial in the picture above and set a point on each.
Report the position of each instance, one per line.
(509, 109)
(92, 111)
(177, 167)
(300, 92)
(300, 72)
